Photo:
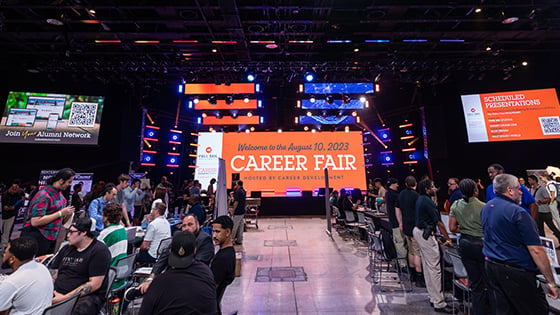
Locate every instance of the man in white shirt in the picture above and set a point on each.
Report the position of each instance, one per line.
(158, 229)
(551, 187)
(29, 289)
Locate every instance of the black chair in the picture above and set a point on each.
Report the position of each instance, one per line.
(63, 307)
(385, 258)
(111, 276)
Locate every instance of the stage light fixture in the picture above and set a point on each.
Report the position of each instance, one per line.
(346, 129)
(234, 114)
(309, 114)
(196, 100)
(251, 77)
(247, 131)
(212, 100)
(229, 99)
(252, 128)
(354, 114)
(246, 99)
(313, 130)
(309, 76)
(345, 99)
(180, 88)
(363, 99)
(329, 99)
(279, 130)
(312, 99)
(203, 115)
(524, 63)
(305, 128)
(249, 114)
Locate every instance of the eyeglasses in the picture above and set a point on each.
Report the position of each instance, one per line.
(451, 184)
(71, 231)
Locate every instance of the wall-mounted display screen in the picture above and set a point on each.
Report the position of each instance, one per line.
(51, 118)
(516, 115)
(277, 163)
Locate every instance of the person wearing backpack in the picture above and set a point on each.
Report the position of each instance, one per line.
(552, 188)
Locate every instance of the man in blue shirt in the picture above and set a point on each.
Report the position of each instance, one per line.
(514, 253)
(95, 209)
(527, 201)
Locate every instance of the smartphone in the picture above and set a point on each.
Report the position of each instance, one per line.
(52, 121)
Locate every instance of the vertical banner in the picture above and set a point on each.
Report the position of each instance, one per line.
(327, 203)
(221, 190)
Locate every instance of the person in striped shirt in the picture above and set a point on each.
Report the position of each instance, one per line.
(114, 234)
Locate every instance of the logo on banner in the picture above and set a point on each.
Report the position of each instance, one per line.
(473, 110)
(208, 150)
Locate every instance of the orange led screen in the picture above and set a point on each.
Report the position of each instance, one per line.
(516, 115)
(211, 88)
(221, 104)
(276, 162)
(228, 120)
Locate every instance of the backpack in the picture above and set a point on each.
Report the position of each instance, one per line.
(557, 186)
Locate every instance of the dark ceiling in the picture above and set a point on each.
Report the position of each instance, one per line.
(411, 42)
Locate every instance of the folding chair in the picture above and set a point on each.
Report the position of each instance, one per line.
(385, 253)
(63, 307)
(111, 276)
(460, 278)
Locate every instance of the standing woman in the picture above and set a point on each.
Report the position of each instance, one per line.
(464, 218)
(48, 211)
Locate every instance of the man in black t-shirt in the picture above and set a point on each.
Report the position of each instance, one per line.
(82, 265)
(239, 198)
(394, 212)
(223, 264)
(12, 200)
(407, 205)
(186, 288)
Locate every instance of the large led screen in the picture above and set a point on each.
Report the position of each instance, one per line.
(51, 118)
(277, 163)
(516, 115)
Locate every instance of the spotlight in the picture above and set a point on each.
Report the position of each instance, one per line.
(251, 77)
(249, 114)
(234, 114)
(279, 130)
(246, 99)
(212, 100)
(247, 130)
(362, 99)
(252, 129)
(229, 99)
(203, 115)
(196, 100)
(305, 128)
(312, 99)
(345, 99)
(309, 76)
(477, 10)
(346, 129)
(313, 130)
(354, 114)
(309, 114)
(329, 99)
(524, 63)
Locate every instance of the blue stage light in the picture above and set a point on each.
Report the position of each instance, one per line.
(250, 77)
(309, 77)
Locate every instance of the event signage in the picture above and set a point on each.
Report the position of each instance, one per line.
(51, 118)
(517, 115)
(278, 162)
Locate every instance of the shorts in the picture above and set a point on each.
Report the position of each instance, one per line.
(413, 248)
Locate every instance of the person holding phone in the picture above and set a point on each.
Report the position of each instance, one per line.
(48, 210)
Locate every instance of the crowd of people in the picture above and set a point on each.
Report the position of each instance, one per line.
(92, 230)
(499, 241)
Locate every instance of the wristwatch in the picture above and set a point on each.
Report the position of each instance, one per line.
(551, 285)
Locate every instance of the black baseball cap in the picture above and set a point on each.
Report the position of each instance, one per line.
(391, 181)
(84, 224)
(182, 250)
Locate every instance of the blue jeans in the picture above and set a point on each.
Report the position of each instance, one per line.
(470, 249)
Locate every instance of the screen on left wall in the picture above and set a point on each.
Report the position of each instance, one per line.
(31, 117)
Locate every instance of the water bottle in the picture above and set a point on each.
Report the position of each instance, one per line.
(115, 303)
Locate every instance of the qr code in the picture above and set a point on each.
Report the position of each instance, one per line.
(82, 115)
(550, 125)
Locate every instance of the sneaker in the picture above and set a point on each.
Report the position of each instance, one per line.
(446, 310)
(132, 294)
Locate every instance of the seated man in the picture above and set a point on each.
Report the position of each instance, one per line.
(158, 229)
(167, 294)
(82, 266)
(114, 235)
(204, 253)
(223, 264)
(28, 290)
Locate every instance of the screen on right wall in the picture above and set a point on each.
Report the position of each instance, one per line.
(516, 115)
